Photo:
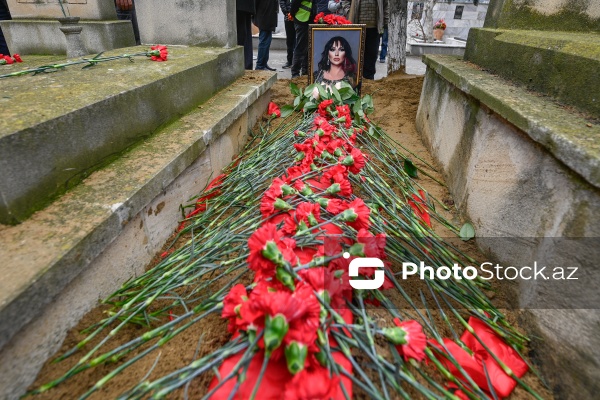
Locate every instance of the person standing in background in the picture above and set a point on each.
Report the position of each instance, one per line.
(266, 21)
(304, 13)
(244, 10)
(322, 7)
(384, 43)
(4, 15)
(290, 31)
(337, 7)
(375, 15)
(126, 11)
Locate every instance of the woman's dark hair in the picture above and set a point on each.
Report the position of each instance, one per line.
(349, 65)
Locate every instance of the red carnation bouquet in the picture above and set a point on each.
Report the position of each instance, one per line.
(331, 19)
(5, 60)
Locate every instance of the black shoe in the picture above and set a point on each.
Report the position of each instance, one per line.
(287, 65)
(270, 69)
(304, 73)
(295, 76)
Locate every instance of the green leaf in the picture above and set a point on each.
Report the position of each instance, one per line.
(467, 232)
(286, 110)
(410, 168)
(345, 85)
(357, 107)
(345, 93)
(309, 106)
(295, 89)
(323, 94)
(367, 104)
(336, 94)
(297, 101)
(309, 89)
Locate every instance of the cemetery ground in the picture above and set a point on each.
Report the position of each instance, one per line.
(396, 99)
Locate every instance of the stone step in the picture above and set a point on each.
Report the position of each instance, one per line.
(564, 134)
(43, 36)
(58, 128)
(563, 65)
(58, 263)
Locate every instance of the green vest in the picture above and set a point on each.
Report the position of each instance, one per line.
(303, 13)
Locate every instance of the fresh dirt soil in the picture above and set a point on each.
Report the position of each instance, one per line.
(396, 100)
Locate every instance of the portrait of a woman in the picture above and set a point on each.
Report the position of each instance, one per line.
(337, 63)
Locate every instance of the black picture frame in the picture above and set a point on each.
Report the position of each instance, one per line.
(318, 36)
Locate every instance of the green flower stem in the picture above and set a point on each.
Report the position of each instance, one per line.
(88, 61)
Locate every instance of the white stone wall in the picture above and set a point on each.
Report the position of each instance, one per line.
(473, 16)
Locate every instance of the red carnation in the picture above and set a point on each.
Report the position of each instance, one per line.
(17, 58)
(8, 60)
(273, 110)
(231, 307)
(302, 187)
(420, 208)
(324, 125)
(355, 161)
(271, 204)
(324, 282)
(322, 385)
(295, 172)
(300, 311)
(341, 20)
(372, 246)
(268, 250)
(343, 110)
(415, 340)
(336, 169)
(333, 206)
(308, 212)
(319, 18)
(340, 186)
(335, 145)
(323, 111)
(357, 214)
(158, 53)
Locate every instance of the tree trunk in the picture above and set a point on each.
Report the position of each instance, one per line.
(428, 19)
(397, 35)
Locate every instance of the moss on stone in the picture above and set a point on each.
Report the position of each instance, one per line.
(510, 14)
(89, 118)
(563, 65)
(567, 135)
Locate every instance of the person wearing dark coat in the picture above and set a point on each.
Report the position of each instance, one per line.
(4, 15)
(323, 7)
(244, 10)
(304, 12)
(290, 30)
(266, 21)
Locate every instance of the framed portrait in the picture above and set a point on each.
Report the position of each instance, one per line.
(335, 54)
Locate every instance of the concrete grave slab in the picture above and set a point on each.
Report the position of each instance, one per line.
(48, 147)
(83, 246)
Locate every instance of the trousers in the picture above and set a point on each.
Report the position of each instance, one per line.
(371, 50)
(244, 36)
(300, 59)
(264, 44)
